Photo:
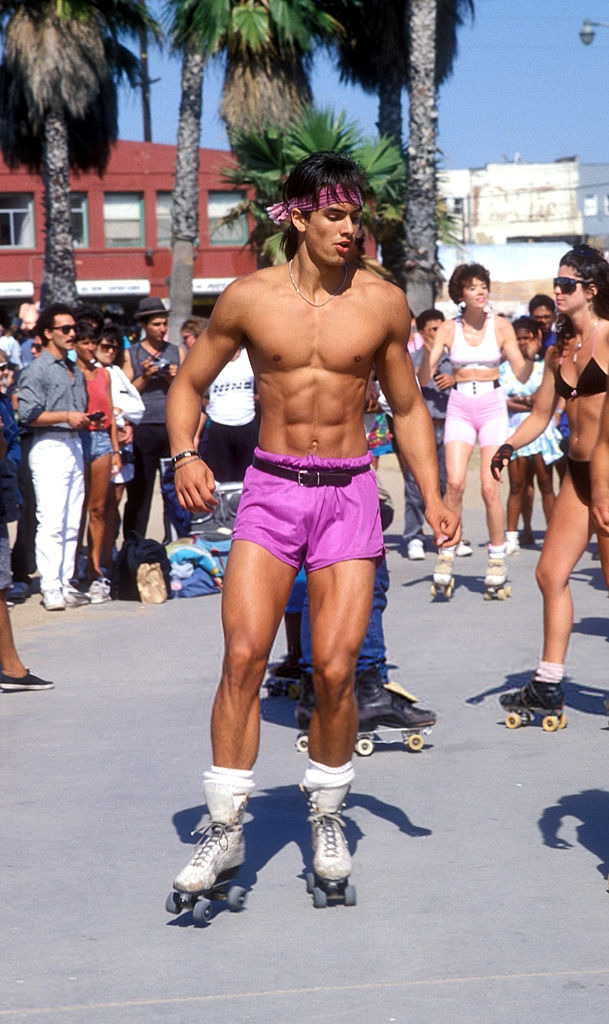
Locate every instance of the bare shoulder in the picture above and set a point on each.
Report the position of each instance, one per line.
(238, 297)
(504, 329)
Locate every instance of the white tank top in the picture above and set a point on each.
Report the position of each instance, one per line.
(483, 356)
(231, 395)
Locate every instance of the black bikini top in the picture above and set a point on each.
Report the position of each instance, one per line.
(592, 381)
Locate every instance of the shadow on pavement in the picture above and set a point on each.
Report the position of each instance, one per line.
(591, 809)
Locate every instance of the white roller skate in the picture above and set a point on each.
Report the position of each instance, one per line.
(443, 579)
(219, 853)
(331, 858)
(495, 581)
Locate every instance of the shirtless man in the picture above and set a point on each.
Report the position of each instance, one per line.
(312, 330)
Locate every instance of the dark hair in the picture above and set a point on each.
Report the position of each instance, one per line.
(86, 329)
(541, 300)
(46, 319)
(592, 267)
(463, 275)
(91, 313)
(526, 323)
(428, 314)
(326, 169)
(113, 333)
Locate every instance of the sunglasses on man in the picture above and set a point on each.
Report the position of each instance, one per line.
(66, 329)
(567, 285)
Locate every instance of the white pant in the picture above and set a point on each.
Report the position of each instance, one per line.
(57, 466)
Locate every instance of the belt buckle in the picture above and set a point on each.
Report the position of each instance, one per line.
(308, 478)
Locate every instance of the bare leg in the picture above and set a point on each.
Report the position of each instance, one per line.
(491, 495)
(10, 661)
(100, 470)
(256, 590)
(458, 454)
(566, 540)
(340, 604)
(544, 481)
(517, 473)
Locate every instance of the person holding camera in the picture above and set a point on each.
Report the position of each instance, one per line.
(52, 403)
(155, 363)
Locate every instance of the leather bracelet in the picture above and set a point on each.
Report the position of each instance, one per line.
(185, 462)
(182, 455)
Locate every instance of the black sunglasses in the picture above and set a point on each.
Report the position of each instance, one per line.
(66, 329)
(106, 346)
(568, 285)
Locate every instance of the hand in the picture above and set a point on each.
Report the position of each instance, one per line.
(117, 463)
(172, 369)
(195, 484)
(599, 508)
(77, 420)
(444, 381)
(445, 523)
(500, 459)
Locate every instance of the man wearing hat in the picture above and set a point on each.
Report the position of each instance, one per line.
(155, 363)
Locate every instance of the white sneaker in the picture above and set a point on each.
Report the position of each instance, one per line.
(73, 598)
(415, 551)
(464, 549)
(53, 600)
(99, 591)
(512, 543)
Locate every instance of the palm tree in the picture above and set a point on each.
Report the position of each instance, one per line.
(264, 159)
(384, 63)
(267, 47)
(58, 101)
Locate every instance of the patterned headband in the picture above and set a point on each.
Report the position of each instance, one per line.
(280, 212)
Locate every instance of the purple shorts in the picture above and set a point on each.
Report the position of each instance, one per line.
(311, 526)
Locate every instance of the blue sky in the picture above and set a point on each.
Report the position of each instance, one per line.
(523, 84)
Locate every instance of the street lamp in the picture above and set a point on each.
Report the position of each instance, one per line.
(587, 33)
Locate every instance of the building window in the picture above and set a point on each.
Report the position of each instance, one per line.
(219, 204)
(163, 219)
(606, 204)
(17, 220)
(124, 219)
(79, 216)
(590, 206)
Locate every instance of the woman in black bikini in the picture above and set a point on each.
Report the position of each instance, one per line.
(576, 369)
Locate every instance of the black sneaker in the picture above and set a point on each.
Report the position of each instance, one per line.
(26, 682)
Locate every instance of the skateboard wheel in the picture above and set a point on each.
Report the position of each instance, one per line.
(302, 743)
(350, 896)
(415, 742)
(173, 903)
(320, 900)
(201, 913)
(513, 720)
(550, 723)
(364, 746)
(236, 897)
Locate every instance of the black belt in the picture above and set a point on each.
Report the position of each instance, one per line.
(311, 477)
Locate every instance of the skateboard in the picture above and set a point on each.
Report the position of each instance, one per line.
(325, 889)
(283, 686)
(366, 740)
(201, 903)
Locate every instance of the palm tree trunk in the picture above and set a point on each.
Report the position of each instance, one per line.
(421, 245)
(390, 123)
(59, 275)
(185, 199)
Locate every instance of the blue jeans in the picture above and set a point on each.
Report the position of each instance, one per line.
(373, 650)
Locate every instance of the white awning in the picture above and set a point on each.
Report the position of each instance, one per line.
(118, 286)
(210, 285)
(16, 289)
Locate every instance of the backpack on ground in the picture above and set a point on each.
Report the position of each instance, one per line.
(141, 572)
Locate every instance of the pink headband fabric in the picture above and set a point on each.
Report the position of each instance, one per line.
(280, 212)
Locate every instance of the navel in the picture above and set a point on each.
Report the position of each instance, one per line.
(277, 359)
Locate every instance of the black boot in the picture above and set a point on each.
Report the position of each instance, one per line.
(380, 706)
(544, 696)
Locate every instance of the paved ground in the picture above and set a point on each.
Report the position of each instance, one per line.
(480, 863)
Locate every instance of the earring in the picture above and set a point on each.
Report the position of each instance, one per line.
(488, 309)
(461, 306)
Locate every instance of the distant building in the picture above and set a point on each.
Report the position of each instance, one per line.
(121, 226)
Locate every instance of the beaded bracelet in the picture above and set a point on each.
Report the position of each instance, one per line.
(185, 462)
(182, 455)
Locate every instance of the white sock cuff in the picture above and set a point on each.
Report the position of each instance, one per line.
(322, 776)
(240, 781)
(497, 550)
(550, 672)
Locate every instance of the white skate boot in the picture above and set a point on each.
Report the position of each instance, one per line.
(443, 579)
(495, 580)
(331, 858)
(221, 847)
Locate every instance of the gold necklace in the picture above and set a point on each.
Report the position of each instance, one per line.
(317, 305)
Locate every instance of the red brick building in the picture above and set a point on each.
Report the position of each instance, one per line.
(121, 230)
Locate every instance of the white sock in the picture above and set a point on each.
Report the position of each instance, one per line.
(239, 781)
(549, 672)
(496, 550)
(322, 776)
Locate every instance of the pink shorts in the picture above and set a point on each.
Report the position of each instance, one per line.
(481, 418)
(311, 526)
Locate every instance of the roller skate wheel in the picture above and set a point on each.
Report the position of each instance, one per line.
(433, 590)
(236, 897)
(550, 723)
(364, 746)
(201, 913)
(450, 588)
(173, 903)
(513, 720)
(350, 896)
(508, 591)
(302, 743)
(310, 881)
(415, 742)
(320, 900)
(563, 721)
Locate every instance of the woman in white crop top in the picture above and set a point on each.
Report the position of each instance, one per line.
(477, 342)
